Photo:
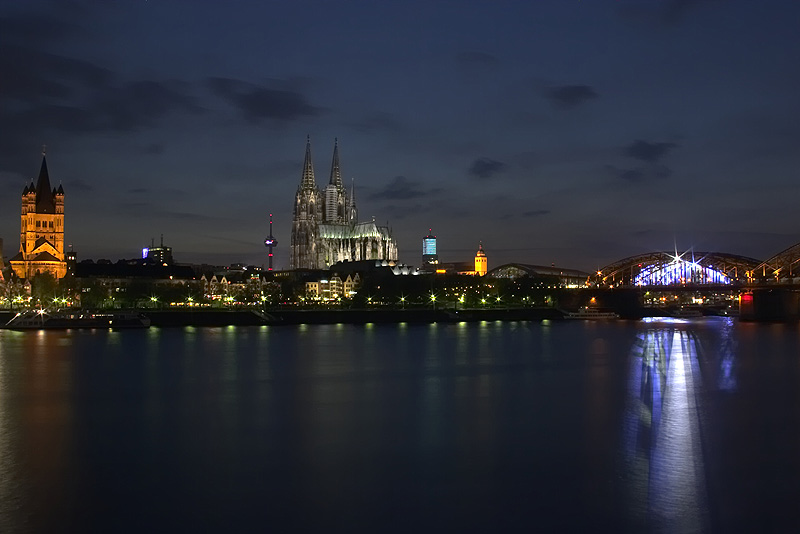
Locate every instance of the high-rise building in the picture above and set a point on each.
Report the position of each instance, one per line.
(325, 227)
(160, 255)
(429, 256)
(481, 263)
(41, 235)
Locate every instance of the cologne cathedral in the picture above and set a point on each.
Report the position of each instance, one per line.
(41, 235)
(325, 227)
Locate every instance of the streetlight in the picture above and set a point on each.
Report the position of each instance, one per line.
(433, 300)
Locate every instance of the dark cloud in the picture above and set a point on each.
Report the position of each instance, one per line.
(401, 188)
(378, 122)
(674, 11)
(124, 109)
(639, 174)
(257, 103)
(650, 152)
(47, 27)
(141, 104)
(631, 175)
(486, 168)
(667, 13)
(153, 149)
(78, 185)
(127, 107)
(138, 190)
(569, 96)
(535, 213)
(31, 76)
(477, 59)
(396, 213)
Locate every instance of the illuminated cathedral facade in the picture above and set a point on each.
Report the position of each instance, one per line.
(325, 227)
(41, 235)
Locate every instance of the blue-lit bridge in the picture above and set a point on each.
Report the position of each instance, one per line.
(692, 269)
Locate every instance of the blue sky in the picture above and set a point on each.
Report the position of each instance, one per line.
(573, 132)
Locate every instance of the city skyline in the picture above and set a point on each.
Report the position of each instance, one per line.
(574, 133)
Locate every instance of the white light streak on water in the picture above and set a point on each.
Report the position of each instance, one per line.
(665, 463)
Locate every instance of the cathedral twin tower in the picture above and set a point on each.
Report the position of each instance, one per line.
(325, 227)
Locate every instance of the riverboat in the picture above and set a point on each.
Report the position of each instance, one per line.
(687, 313)
(39, 320)
(591, 314)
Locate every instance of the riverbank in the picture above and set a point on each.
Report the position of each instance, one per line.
(345, 316)
(208, 317)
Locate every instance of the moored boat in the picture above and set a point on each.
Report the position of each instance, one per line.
(38, 320)
(687, 313)
(591, 314)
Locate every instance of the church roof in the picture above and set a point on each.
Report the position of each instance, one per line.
(353, 231)
(45, 256)
(44, 193)
(39, 242)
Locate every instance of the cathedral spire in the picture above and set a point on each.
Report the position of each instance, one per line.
(308, 168)
(352, 210)
(44, 193)
(336, 175)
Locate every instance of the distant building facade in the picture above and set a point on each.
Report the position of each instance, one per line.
(429, 255)
(41, 235)
(325, 227)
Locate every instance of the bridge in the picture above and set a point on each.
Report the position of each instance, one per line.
(691, 268)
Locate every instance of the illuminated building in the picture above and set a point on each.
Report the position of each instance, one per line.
(41, 235)
(481, 263)
(325, 227)
(429, 256)
(160, 254)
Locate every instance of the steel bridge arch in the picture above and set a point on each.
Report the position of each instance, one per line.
(623, 272)
(784, 265)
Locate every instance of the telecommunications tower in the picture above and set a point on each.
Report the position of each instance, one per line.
(270, 242)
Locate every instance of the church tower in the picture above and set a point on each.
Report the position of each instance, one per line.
(307, 215)
(352, 210)
(481, 263)
(335, 201)
(41, 235)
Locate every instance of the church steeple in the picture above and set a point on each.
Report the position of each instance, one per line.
(44, 193)
(352, 210)
(308, 180)
(336, 175)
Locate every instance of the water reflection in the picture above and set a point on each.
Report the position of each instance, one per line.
(664, 457)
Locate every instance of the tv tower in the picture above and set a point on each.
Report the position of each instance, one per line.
(270, 242)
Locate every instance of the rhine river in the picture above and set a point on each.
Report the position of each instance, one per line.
(624, 426)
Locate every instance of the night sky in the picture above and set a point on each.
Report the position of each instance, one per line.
(574, 132)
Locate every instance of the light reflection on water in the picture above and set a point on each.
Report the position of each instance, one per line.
(557, 426)
(664, 458)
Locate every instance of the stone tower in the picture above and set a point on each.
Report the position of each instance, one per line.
(335, 198)
(481, 263)
(41, 234)
(307, 216)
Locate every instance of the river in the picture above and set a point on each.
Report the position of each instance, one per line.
(620, 426)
